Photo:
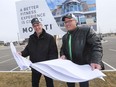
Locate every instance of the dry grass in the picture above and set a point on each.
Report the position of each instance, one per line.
(23, 79)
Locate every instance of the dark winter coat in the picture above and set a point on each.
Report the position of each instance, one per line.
(86, 46)
(42, 48)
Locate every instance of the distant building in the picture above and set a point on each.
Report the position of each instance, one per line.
(7, 44)
(84, 10)
(1, 42)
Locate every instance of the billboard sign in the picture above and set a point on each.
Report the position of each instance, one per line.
(28, 9)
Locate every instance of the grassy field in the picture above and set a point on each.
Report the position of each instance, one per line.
(23, 79)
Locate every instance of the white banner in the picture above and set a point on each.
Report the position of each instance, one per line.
(28, 9)
(59, 69)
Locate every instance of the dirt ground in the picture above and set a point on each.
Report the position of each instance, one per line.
(23, 79)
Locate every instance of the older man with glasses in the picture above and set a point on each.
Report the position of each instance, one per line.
(81, 45)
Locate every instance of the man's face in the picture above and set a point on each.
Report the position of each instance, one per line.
(70, 24)
(37, 27)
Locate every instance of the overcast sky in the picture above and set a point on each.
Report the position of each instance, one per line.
(106, 18)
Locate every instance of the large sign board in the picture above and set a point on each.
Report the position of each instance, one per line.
(28, 9)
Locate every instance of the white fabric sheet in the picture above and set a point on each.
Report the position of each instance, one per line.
(59, 69)
(22, 62)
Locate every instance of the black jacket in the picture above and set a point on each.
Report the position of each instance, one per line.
(42, 48)
(86, 46)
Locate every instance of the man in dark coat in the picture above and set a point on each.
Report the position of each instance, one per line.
(80, 45)
(41, 47)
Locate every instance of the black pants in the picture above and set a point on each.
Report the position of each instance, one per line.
(36, 79)
(81, 84)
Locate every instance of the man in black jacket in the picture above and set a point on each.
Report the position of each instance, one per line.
(80, 45)
(41, 47)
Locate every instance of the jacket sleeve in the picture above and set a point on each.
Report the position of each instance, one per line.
(53, 52)
(96, 47)
(63, 49)
(25, 52)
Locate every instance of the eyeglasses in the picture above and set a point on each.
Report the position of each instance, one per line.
(69, 21)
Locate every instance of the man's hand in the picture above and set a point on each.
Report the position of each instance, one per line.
(62, 57)
(95, 66)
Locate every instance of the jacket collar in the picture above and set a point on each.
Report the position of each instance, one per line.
(72, 31)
